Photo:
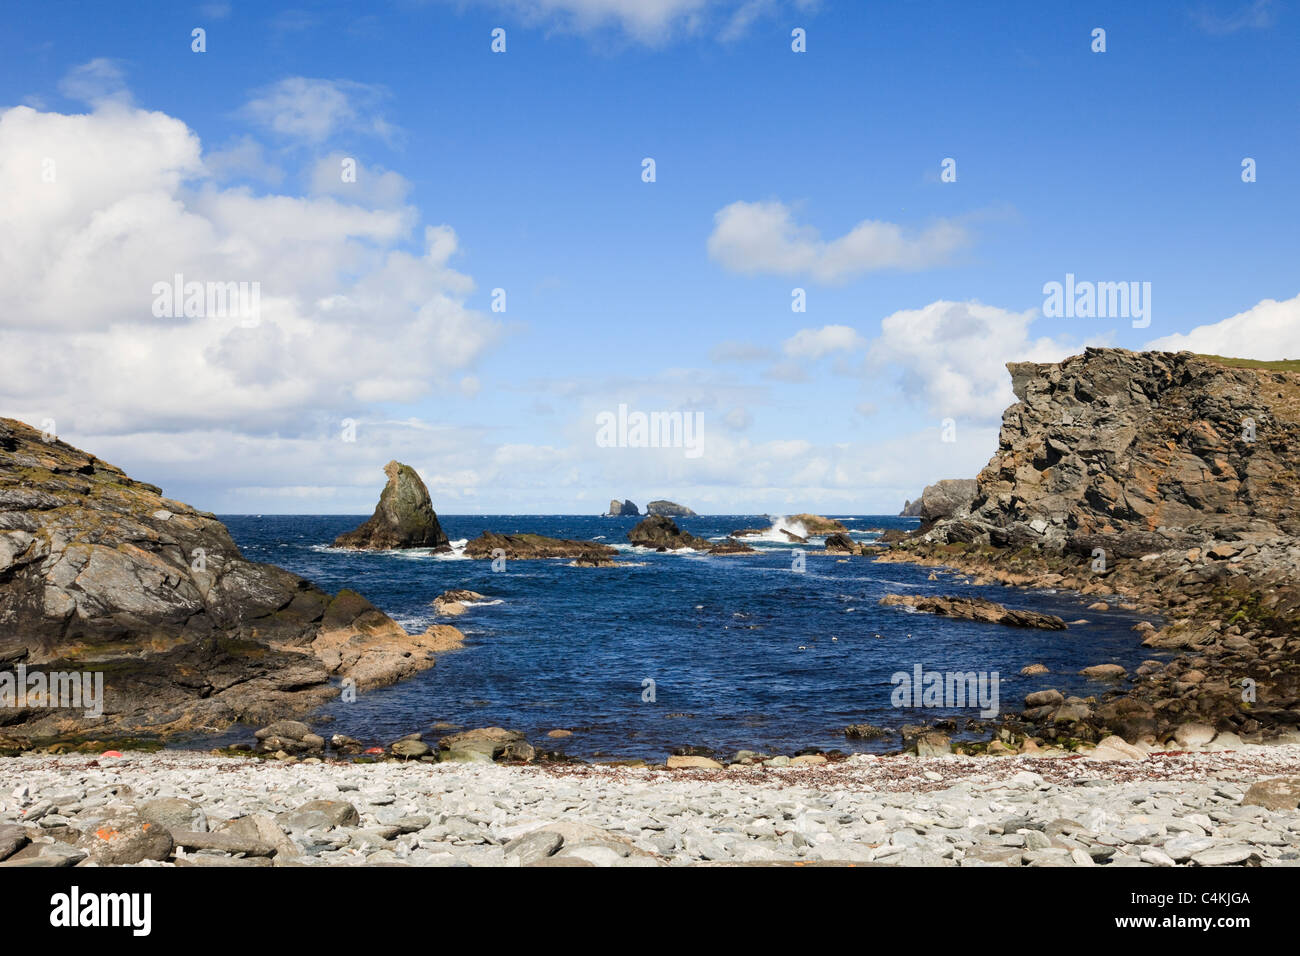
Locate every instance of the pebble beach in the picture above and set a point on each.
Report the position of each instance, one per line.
(174, 808)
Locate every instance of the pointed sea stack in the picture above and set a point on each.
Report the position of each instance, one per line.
(404, 517)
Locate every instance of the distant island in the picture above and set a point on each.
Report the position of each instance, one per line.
(668, 509)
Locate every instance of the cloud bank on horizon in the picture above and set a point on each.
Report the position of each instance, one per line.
(826, 329)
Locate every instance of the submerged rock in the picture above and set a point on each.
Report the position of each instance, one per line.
(975, 609)
(866, 732)
(731, 546)
(452, 603)
(404, 517)
(532, 546)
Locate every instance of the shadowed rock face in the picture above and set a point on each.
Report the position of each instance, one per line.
(404, 517)
(840, 543)
(99, 572)
(660, 532)
(617, 510)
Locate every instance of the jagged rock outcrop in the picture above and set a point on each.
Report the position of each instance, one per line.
(1137, 452)
(101, 573)
(1167, 479)
(841, 543)
(404, 517)
(532, 546)
(662, 534)
(668, 509)
(626, 509)
(943, 499)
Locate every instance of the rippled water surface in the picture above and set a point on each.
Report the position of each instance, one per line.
(744, 652)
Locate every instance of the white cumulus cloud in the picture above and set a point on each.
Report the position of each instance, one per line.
(358, 304)
(953, 355)
(1267, 330)
(764, 237)
(816, 343)
(313, 110)
(650, 22)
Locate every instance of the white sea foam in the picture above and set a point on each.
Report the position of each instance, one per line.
(457, 552)
(773, 535)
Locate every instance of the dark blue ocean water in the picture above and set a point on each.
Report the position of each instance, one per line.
(744, 652)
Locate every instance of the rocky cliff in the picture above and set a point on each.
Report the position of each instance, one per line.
(101, 573)
(1136, 452)
(1169, 480)
(404, 517)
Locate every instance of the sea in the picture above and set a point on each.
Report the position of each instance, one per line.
(775, 652)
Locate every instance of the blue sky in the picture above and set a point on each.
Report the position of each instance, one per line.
(774, 170)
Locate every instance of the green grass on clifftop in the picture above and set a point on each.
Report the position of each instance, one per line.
(1278, 365)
